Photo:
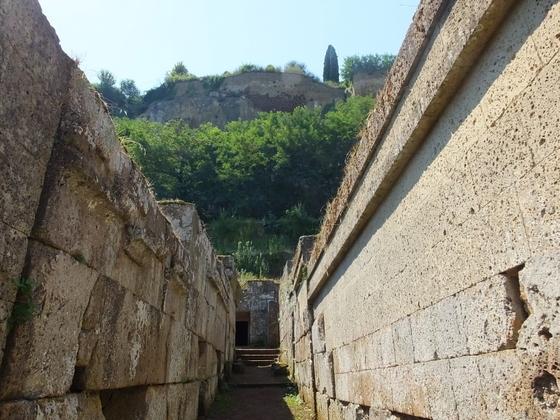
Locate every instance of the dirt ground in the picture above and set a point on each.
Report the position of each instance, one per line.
(263, 403)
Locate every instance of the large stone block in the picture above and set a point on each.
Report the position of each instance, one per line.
(324, 373)
(438, 384)
(207, 360)
(538, 199)
(466, 388)
(5, 312)
(182, 354)
(207, 393)
(13, 246)
(123, 341)
(41, 357)
(26, 29)
(489, 316)
(171, 402)
(402, 342)
(143, 274)
(425, 347)
(540, 287)
(34, 75)
(69, 407)
(74, 217)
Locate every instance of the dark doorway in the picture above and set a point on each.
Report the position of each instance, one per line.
(242, 328)
(241, 333)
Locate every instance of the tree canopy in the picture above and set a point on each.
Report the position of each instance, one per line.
(370, 64)
(257, 168)
(330, 67)
(258, 184)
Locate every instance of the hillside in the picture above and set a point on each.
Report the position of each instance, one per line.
(220, 100)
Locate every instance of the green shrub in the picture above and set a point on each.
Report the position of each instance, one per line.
(370, 64)
(272, 69)
(212, 82)
(297, 222)
(179, 73)
(249, 259)
(248, 68)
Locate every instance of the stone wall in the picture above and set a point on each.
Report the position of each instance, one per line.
(259, 299)
(241, 97)
(432, 288)
(109, 307)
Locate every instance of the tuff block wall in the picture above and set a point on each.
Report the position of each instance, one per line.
(259, 299)
(110, 305)
(432, 288)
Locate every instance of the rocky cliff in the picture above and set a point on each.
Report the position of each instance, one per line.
(240, 97)
(368, 84)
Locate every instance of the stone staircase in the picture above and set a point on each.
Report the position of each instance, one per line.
(257, 367)
(257, 356)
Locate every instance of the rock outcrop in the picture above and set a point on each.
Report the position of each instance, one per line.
(241, 97)
(110, 305)
(432, 289)
(368, 84)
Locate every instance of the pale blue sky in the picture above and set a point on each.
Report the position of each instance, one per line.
(142, 39)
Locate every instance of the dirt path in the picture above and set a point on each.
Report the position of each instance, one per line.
(266, 403)
(250, 400)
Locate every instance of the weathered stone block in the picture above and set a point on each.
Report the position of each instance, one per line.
(500, 375)
(424, 339)
(5, 312)
(402, 342)
(142, 274)
(540, 288)
(450, 339)
(538, 192)
(438, 383)
(41, 357)
(182, 354)
(172, 402)
(342, 359)
(87, 228)
(69, 407)
(324, 373)
(207, 393)
(544, 37)
(466, 388)
(487, 315)
(29, 117)
(13, 246)
(207, 360)
(123, 341)
(175, 296)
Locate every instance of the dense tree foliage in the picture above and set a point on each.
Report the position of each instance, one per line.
(259, 184)
(330, 67)
(122, 101)
(112, 95)
(370, 64)
(257, 168)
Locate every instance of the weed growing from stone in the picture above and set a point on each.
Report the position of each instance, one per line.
(296, 405)
(24, 309)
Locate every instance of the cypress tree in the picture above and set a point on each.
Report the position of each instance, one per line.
(330, 68)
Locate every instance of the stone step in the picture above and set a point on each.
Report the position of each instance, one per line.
(257, 356)
(246, 350)
(253, 362)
